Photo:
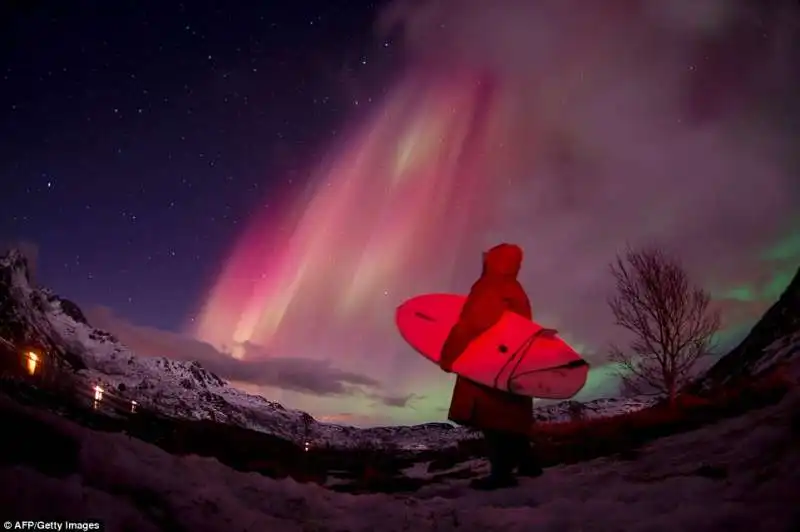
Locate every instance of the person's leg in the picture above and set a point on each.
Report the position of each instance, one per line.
(494, 450)
(527, 462)
(506, 455)
(500, 454)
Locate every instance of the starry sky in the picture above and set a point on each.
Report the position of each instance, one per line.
(149, 132)
(257, 186)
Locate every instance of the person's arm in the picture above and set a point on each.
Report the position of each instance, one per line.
(482, 310)
(519, 303)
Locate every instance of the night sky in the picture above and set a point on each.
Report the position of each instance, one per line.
(140, 136)
(257, 187)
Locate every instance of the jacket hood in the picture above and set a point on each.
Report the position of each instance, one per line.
(504, 260)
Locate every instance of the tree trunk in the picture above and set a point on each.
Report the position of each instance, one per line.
(673, 393)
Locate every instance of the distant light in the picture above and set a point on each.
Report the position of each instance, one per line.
(306, 446)
(98, 393)
(133, 406)
(33, 362)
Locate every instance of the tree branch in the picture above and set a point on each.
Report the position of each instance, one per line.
(670, 319)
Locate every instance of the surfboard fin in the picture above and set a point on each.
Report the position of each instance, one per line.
(424, 316)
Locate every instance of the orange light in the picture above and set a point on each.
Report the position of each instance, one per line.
(98, 393)
(33, 361)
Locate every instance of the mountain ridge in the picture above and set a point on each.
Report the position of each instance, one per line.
(36, 318)
(774, 339)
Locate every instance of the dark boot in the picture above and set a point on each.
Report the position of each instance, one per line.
(525, 459)
(530, 470)
(528, 463)
(500, 452)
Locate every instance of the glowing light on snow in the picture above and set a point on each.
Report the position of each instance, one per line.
(98, 396)
(32, 362)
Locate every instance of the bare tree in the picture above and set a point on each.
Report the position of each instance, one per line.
(670, 319)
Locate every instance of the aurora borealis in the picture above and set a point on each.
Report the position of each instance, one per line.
(451, 162)
(239, 198)
(401, 197)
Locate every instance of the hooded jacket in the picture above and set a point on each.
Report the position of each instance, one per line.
(495, 292)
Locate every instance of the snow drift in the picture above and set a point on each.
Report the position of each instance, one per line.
(740, 474)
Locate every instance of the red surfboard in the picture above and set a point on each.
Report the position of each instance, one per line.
(516, 355)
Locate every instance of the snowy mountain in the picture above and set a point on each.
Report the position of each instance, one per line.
(36, 317)
(23, 320)
(598, 408)
(775, 339)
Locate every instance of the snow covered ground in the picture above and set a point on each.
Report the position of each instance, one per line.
(740, 474)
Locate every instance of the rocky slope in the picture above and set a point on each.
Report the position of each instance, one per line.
(775, 339)
(607, 407)
(23, 319)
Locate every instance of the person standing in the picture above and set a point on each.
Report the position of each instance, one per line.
(504, 418)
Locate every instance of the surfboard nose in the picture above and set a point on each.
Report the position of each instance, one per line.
(410, 308)
(404, 314)
(403, 309)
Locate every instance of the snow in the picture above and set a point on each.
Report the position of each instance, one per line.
(780, 351)
(421, 470)
(598, 408)
(739, 474)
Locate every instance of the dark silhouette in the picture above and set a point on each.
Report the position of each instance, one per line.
(670, 319)
(504, 418)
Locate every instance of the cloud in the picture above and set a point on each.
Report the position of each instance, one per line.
(340, 418)
(355, 420)
(621, 122)
(636, 122)
(398, 401)
(309, 376)
(737, 312)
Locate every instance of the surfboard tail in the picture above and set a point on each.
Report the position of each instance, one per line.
(528, 373)
(574, 364)
(560, 383)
